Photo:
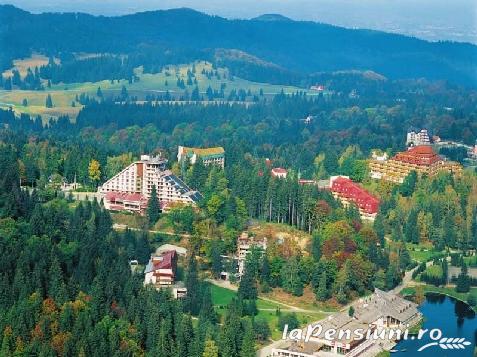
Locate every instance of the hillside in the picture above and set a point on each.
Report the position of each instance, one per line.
(147, 85)
(183, 35)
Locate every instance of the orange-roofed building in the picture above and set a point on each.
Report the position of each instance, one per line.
(421, 159)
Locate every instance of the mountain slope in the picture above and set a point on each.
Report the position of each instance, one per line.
(298, 46)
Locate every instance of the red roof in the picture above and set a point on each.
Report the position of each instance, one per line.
(350, 190)
(279, 171)
(123, 196)
(167, 260)
(420, 155)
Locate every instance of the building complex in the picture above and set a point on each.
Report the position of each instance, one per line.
(349, 192)
(421, 159)
(418, 138)
(209, 156)
(131, 188)
(379, 312)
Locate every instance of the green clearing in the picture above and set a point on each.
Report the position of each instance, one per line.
(221, 297)
(64, 94)
(449, 291)
(422, 252)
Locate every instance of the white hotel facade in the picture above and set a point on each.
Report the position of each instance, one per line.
(139, 178)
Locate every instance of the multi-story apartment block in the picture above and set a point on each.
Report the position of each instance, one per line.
(421, 159)
(137, 180)
(209, 156)
(418, 138)
(349, 192)
(245, 243)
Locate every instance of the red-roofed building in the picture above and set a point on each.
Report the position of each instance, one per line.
(279, 172)
(349, 192)
(421, 159)
(161, 270)
(122, 201)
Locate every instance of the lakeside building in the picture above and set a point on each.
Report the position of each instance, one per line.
(349, 192)
(418, 138)
(375, 313)
(209, 156)
(279, 172)
(131, 188)
(421, 159)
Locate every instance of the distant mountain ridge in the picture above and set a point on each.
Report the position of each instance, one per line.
(295, 48)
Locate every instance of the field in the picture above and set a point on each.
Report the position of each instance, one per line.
(221, 297)
(422, 252)
(22, 65)
(148, 84)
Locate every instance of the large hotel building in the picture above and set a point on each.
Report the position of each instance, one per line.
(131, 188)
(349, 192)
(421, 159)
(209, 156)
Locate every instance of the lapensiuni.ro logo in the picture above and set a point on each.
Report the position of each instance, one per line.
(316, 331)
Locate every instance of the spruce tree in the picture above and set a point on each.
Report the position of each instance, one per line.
(463, 281)
(49, 101)
(153, 207)
(248, 343)
(322, 291)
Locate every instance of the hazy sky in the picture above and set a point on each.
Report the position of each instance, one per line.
(431, 19)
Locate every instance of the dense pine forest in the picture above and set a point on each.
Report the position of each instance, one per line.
(157, 38)
(68, 286)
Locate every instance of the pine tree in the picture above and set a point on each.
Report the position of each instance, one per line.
(124, 93)
(153, 207)
(378, 226)
(411, 228)
(216, 261)
(248, 343)
(351, 311)
(56, 285)
(316, 246)
(49, 101)
(322, 291)
(192, 300)
(99, 92)
(463, 281)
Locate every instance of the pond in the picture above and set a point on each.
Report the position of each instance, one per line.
(453, 317)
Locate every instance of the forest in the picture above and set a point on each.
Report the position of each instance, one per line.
(66, 285)
(156, 38)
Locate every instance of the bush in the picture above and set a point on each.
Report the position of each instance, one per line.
(472, 299)
(288, 319)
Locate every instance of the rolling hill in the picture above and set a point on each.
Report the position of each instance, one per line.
(293, 49)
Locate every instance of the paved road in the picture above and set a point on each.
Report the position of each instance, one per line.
(121, 227)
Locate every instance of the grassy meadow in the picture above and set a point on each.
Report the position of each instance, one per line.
(221, 297)
(148, 84)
